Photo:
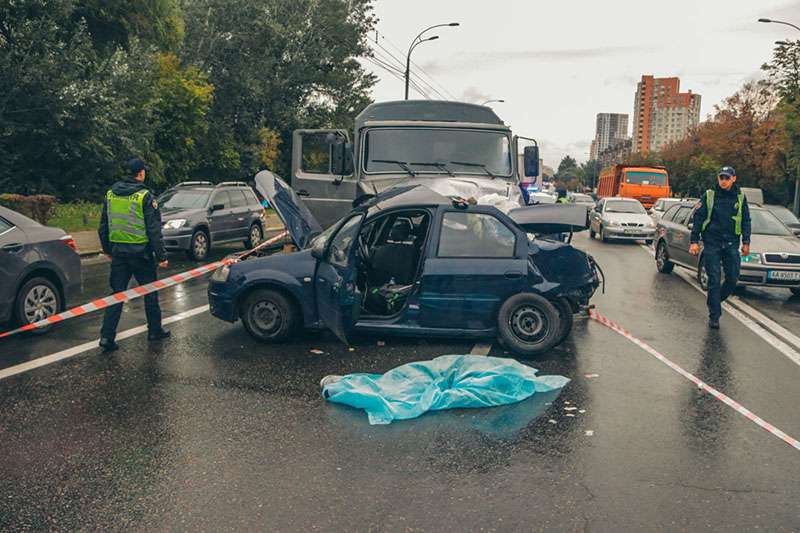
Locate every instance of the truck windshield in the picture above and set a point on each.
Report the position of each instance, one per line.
(437, 150)
(645, 178)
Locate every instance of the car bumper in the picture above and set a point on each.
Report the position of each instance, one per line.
(760, 276)
(221, 304)
(638, 235)
(177, 239)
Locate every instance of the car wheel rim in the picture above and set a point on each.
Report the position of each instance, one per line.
(40, 303)
(266, 317)
(200, 245)
(661, 257)
(529, 324)
(255, 235)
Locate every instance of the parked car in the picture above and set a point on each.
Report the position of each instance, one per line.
(621, 218)
(40, 270)
(785, 216)
(774, 259)
(412, 262)
(580, 198)
(662, 204)
(541, 198)
(199, 214)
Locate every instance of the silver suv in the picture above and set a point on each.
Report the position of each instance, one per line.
(199, 214)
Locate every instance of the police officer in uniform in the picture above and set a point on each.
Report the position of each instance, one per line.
(130, 232)
(722, 220)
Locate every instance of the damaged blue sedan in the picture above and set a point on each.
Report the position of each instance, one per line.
(412, 262)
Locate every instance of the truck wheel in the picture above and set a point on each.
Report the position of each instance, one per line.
(528, 324)
(565, 316)
(36, 300)
(663, 264)
(268, 316)
(254, 236)
(198, 245)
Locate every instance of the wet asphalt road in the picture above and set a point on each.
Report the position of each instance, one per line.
(212, 431)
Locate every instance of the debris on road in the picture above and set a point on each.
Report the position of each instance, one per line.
(446, 382)
(570, 408)
(552, 421)
(589, 432)
(316, 352)
(590, 376)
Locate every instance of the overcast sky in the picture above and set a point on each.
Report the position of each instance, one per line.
(557, 64)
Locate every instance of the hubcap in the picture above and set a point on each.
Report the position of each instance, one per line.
(40, 303)
(255, 235)
(529, 323)
(200, 245)
(266, 317)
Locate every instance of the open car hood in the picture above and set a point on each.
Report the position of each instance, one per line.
(294, 214)
(551, 218)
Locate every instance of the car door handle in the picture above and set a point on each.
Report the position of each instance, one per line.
(303, 192)
(13, 247)
(512, 274)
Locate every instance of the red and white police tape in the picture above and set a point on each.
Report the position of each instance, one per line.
(736, 406)
(137, 292)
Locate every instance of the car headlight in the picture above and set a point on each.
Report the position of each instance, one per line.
(174, 224)
(613, 224)
(752, 258)
(221, 274)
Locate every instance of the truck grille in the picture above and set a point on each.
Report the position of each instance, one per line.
(785, 259)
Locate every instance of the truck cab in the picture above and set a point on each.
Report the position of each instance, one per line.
(454, 148)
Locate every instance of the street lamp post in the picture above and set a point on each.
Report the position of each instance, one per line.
(417, 41)
(796, 206)
(490, 101)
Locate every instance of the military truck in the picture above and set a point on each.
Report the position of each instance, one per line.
(454, 148)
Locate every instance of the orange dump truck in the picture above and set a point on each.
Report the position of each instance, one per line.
(646, 184)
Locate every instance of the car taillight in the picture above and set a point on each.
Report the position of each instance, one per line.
(69, 241)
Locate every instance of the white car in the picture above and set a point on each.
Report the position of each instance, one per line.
(623, 219)
(662, 205)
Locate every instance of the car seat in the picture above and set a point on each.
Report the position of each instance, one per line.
(397, 258)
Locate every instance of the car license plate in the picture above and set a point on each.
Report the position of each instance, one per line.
(784, 275)
(631, 231)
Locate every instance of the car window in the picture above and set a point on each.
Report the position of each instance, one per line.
(342, 242)
(221, 197)
(237, 198)
(251, 197)
(5, 225)
(475, 235)
(682, 215)
(670, 213)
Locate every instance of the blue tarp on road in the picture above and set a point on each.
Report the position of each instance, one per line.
(447, 382)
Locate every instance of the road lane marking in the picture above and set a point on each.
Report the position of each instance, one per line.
(482, 348)
(85, 347)
(763, 328)
(702, 385)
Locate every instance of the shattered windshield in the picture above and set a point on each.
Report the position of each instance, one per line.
(437, 151)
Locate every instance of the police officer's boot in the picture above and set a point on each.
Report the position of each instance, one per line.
(158, 335)
(108, 345)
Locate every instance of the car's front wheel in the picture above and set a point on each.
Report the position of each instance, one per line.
(36, 300)
(663, 264)
(268, 316)
(198, 245)
(254, 236)
(528, 324)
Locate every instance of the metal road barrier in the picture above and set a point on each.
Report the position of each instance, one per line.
(138, 292)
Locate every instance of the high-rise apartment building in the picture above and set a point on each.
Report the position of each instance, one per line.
(662, 114)
(611, 128)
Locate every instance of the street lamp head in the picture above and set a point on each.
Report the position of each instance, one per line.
(432, 38)
(454, 24)
(764, 20)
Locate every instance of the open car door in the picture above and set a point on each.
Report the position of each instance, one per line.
(337, 294)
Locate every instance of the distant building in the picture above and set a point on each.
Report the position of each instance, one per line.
(662, 114)
(610, 128)
(593, 150)
(617, 153)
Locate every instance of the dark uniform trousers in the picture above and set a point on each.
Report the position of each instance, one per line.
(719, 258)
(122, 269)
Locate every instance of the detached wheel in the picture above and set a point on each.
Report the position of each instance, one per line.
(38, 299)
(254, 236)
(528, 324)
(663, 264)
(268, 316)
(565, 316)
(198, 245)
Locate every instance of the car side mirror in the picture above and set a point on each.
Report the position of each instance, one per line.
(318, 249)
(531, 161)
(216, 207)
(342, 159)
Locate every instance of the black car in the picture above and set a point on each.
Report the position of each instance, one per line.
(39, 269)
(199, 214)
